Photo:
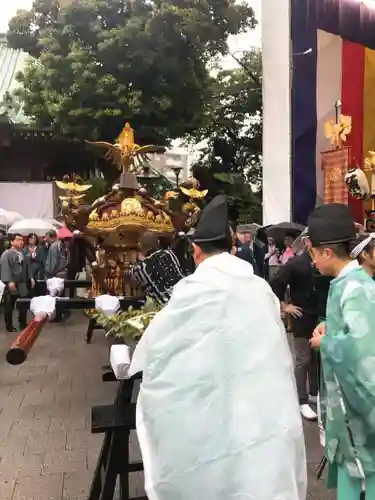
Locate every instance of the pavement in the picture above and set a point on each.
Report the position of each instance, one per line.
(46, 449)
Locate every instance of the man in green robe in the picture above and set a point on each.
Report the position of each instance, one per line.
(347, 348)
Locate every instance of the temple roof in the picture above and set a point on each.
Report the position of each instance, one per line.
(11, 62)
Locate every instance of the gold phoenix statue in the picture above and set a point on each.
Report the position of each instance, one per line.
(74, 187)
(125, 153)
(337, 132)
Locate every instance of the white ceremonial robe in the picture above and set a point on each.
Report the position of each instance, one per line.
(217, 413)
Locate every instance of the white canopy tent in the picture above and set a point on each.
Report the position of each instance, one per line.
(31, 199)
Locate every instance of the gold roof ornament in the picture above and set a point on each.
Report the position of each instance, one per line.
(170, 195)
(369, 167)
(125, 153)
(338, 131)
(126, 138)
(68, 198)
(369, 162)
(75, 189)
(191, 189)
(193, 193)
(127, 209)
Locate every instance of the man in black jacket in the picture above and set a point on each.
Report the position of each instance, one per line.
(308, 291)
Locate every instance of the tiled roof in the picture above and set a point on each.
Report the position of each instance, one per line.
(11, 62)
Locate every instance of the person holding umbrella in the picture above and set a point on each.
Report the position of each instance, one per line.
(288, 253)
(34, 259)
(2, 241)
(57, 261)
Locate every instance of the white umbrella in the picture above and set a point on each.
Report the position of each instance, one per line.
(27, 226)
(56, 223)
(7, 218)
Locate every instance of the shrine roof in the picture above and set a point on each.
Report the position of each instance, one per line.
(11, 62)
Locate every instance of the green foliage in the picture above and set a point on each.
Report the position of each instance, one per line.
(128, 324)
(156, 186)
(101, 62)
(9, 104)
(231, 160)
(99, 188)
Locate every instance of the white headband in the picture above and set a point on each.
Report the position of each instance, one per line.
(361, 246)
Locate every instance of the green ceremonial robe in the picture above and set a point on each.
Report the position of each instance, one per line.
(348, 362)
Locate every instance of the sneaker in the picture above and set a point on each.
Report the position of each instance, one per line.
(307, 412)
(313, 400)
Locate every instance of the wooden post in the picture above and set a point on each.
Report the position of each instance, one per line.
(20, 348)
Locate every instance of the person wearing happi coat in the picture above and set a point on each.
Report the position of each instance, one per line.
(347, 348)
(157, 270)
(15, 274)
(217, 413)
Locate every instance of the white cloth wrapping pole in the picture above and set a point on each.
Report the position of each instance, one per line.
(120, 354)
(43, 305)
(119, 359)
(55, 286)
(46, 304)
(108, 304)
(277, 140)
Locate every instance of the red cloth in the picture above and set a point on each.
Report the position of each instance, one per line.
(64, 233)
(353, 71)
(335, 165)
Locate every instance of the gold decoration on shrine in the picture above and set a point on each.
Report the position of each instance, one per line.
(75, 189)
(131, 215)
(116, 220)
(125, 153)
(191, 189)
(369, 167)
(337, 132)
(369, 162)
(194, 193)
(170, 195)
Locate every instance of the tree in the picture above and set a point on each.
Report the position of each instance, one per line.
(231, 159)
(99, 63)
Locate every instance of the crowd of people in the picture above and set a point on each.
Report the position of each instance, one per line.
(297, 283)
(217, 356)
(23, 262)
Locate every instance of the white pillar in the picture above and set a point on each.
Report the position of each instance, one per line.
(277, 143)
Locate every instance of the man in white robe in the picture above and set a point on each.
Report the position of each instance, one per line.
(217, 413)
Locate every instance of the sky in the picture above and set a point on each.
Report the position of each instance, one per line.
(9, 8)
